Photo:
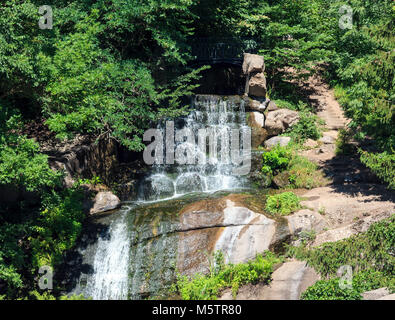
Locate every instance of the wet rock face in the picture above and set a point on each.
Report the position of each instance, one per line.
(173, 236)
(157, 187)
(236, 231)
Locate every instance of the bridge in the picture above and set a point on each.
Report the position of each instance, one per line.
(210, 51)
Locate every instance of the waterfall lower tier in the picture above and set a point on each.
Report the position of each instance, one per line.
(109, 277)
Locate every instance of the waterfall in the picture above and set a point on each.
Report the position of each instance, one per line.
(111, 264)
(212, 168)
(123, 265)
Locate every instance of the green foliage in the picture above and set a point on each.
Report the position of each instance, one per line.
(343, 145)
(29, 236)
(276, 160)
(209, 287)
(59, 225)
(302, 173)
(21, 163)
(283, 203)
(370, 255)
(330, 290)
(382, 164)
(308, 127)
(36, 295)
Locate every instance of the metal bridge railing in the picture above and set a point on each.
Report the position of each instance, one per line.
(223, 50)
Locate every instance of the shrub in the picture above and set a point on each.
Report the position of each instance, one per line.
(208, 287)
(283, 203)
(330, 290)
(382, 164)
(276, 160)
(302, 172)
(308, 127)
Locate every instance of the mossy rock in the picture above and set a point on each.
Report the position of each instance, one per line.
(282, 180)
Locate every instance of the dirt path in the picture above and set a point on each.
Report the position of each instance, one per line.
(354, 192)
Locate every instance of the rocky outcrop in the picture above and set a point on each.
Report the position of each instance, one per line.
(277, 120)
(103, 202)
(172, 235)
(306, 220)
(253, 69)
(349, 230)
(253, 63)
(257, 105)
(375, 294)
(271, 106)
(83, 157)
(257, 85)
(280, 120)
(281, 141)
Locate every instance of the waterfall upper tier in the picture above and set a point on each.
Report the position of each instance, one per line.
(209, 141)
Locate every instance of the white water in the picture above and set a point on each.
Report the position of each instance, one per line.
(213, 169)
(111, 265)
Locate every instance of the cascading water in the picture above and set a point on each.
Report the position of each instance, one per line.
(210, 171)
(132, 251)
(110, 278)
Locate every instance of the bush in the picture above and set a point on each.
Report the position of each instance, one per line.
(283, 203)
(276, 160)
(302, 172)
(308, 126)
(330, 290)
(382, 164)
(209, 287)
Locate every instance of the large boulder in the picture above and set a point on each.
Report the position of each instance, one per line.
(282, 141)
(253, 63)
(258, 119)
(257, 85)
(105, 201)
(280, 120)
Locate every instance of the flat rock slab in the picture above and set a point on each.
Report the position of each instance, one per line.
(235, 230)
(389, 297)
(375, 294)
(289, 281)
